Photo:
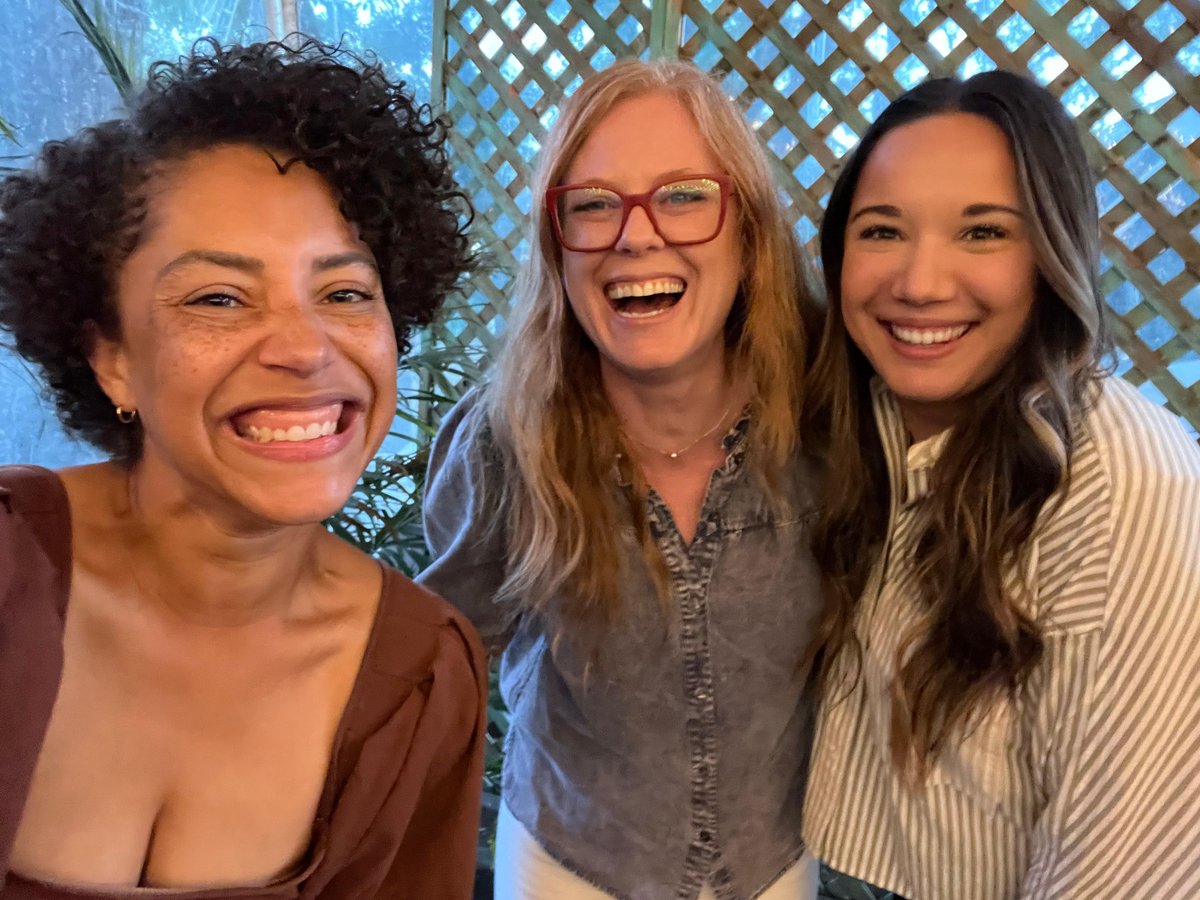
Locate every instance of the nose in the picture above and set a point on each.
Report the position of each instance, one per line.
(296, 339)
(639, 234)
(925, 276)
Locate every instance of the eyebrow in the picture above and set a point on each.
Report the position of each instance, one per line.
(975, 209)
(980, 209)
(214, 257)
(879, 209)
(253, 266)
(349, 258)
(662, 178)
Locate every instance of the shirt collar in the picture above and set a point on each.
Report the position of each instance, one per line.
(909, 465)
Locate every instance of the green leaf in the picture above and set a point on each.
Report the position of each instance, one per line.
(119, 59)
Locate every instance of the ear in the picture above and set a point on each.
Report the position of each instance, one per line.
(110, 364)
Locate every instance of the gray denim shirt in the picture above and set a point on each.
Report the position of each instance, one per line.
(677, 752)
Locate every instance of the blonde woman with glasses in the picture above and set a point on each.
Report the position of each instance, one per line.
(624, 510)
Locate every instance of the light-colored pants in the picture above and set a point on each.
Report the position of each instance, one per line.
(524, 871)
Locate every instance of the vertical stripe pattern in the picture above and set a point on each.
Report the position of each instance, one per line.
(1086, 784)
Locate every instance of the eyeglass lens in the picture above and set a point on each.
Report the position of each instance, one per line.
(685, 211)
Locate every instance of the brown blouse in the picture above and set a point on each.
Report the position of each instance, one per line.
(399, 813)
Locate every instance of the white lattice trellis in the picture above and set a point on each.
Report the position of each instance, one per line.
(812, 75)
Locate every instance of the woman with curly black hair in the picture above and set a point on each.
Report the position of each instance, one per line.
(201, 689)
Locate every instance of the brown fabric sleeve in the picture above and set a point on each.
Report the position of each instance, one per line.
(35, 571)
(406, 821)
(438, 854)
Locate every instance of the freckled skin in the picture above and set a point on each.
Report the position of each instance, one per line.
(931, 260)
(202, 339)
(214, 629)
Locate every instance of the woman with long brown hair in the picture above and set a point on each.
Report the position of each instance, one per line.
(624, 509)
(1010, 538)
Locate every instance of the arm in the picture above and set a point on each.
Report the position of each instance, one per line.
(461, 491)
(1119, 715)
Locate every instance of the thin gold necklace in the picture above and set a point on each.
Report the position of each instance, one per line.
(675, 454)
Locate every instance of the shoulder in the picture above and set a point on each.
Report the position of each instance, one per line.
(1137, 439)
(1153, 472)
(1130, 510)
(34, 506)
(465, 437)
(465, 478)
(31, 490)
(468, 418)
(418, 635)
(1129, 451)
(1148, 465)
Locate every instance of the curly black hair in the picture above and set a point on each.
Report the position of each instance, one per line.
(69, 222)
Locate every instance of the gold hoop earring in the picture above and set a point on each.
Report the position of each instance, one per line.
(126, 416)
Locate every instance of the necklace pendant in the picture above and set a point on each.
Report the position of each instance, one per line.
(674, 454)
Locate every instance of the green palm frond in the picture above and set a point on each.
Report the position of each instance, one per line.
(119, 58)
(8, 131)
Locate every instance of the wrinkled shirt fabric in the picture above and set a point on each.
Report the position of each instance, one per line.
(671, 749)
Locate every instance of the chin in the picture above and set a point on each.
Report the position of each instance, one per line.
(297, 516)
(298, 504)
(649, 366)
(925, 390)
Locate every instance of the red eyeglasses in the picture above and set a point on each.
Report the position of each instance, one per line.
(589, 218)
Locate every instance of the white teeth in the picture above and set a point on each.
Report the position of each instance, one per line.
(923, 336)
(649, 314)
(623, 289)
(295, 434)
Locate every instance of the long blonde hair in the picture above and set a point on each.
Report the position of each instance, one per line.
(551, 421)
(1001, 465)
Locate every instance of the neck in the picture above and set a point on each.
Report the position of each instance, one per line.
(924, 420)
(203, 564)
(667, 414)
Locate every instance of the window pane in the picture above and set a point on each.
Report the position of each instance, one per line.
(400, 32)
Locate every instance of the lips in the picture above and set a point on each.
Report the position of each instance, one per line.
(292, 422)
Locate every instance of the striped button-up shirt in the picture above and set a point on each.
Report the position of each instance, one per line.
(1086, 782)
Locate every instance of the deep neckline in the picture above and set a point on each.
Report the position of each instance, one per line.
(318, 841)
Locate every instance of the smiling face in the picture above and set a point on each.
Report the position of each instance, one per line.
(655, 311)
(939, 275)
(254, 341)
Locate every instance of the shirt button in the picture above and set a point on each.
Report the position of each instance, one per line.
(705, 836)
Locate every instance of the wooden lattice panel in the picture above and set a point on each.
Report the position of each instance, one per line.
(507, 66)
(812, 74)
